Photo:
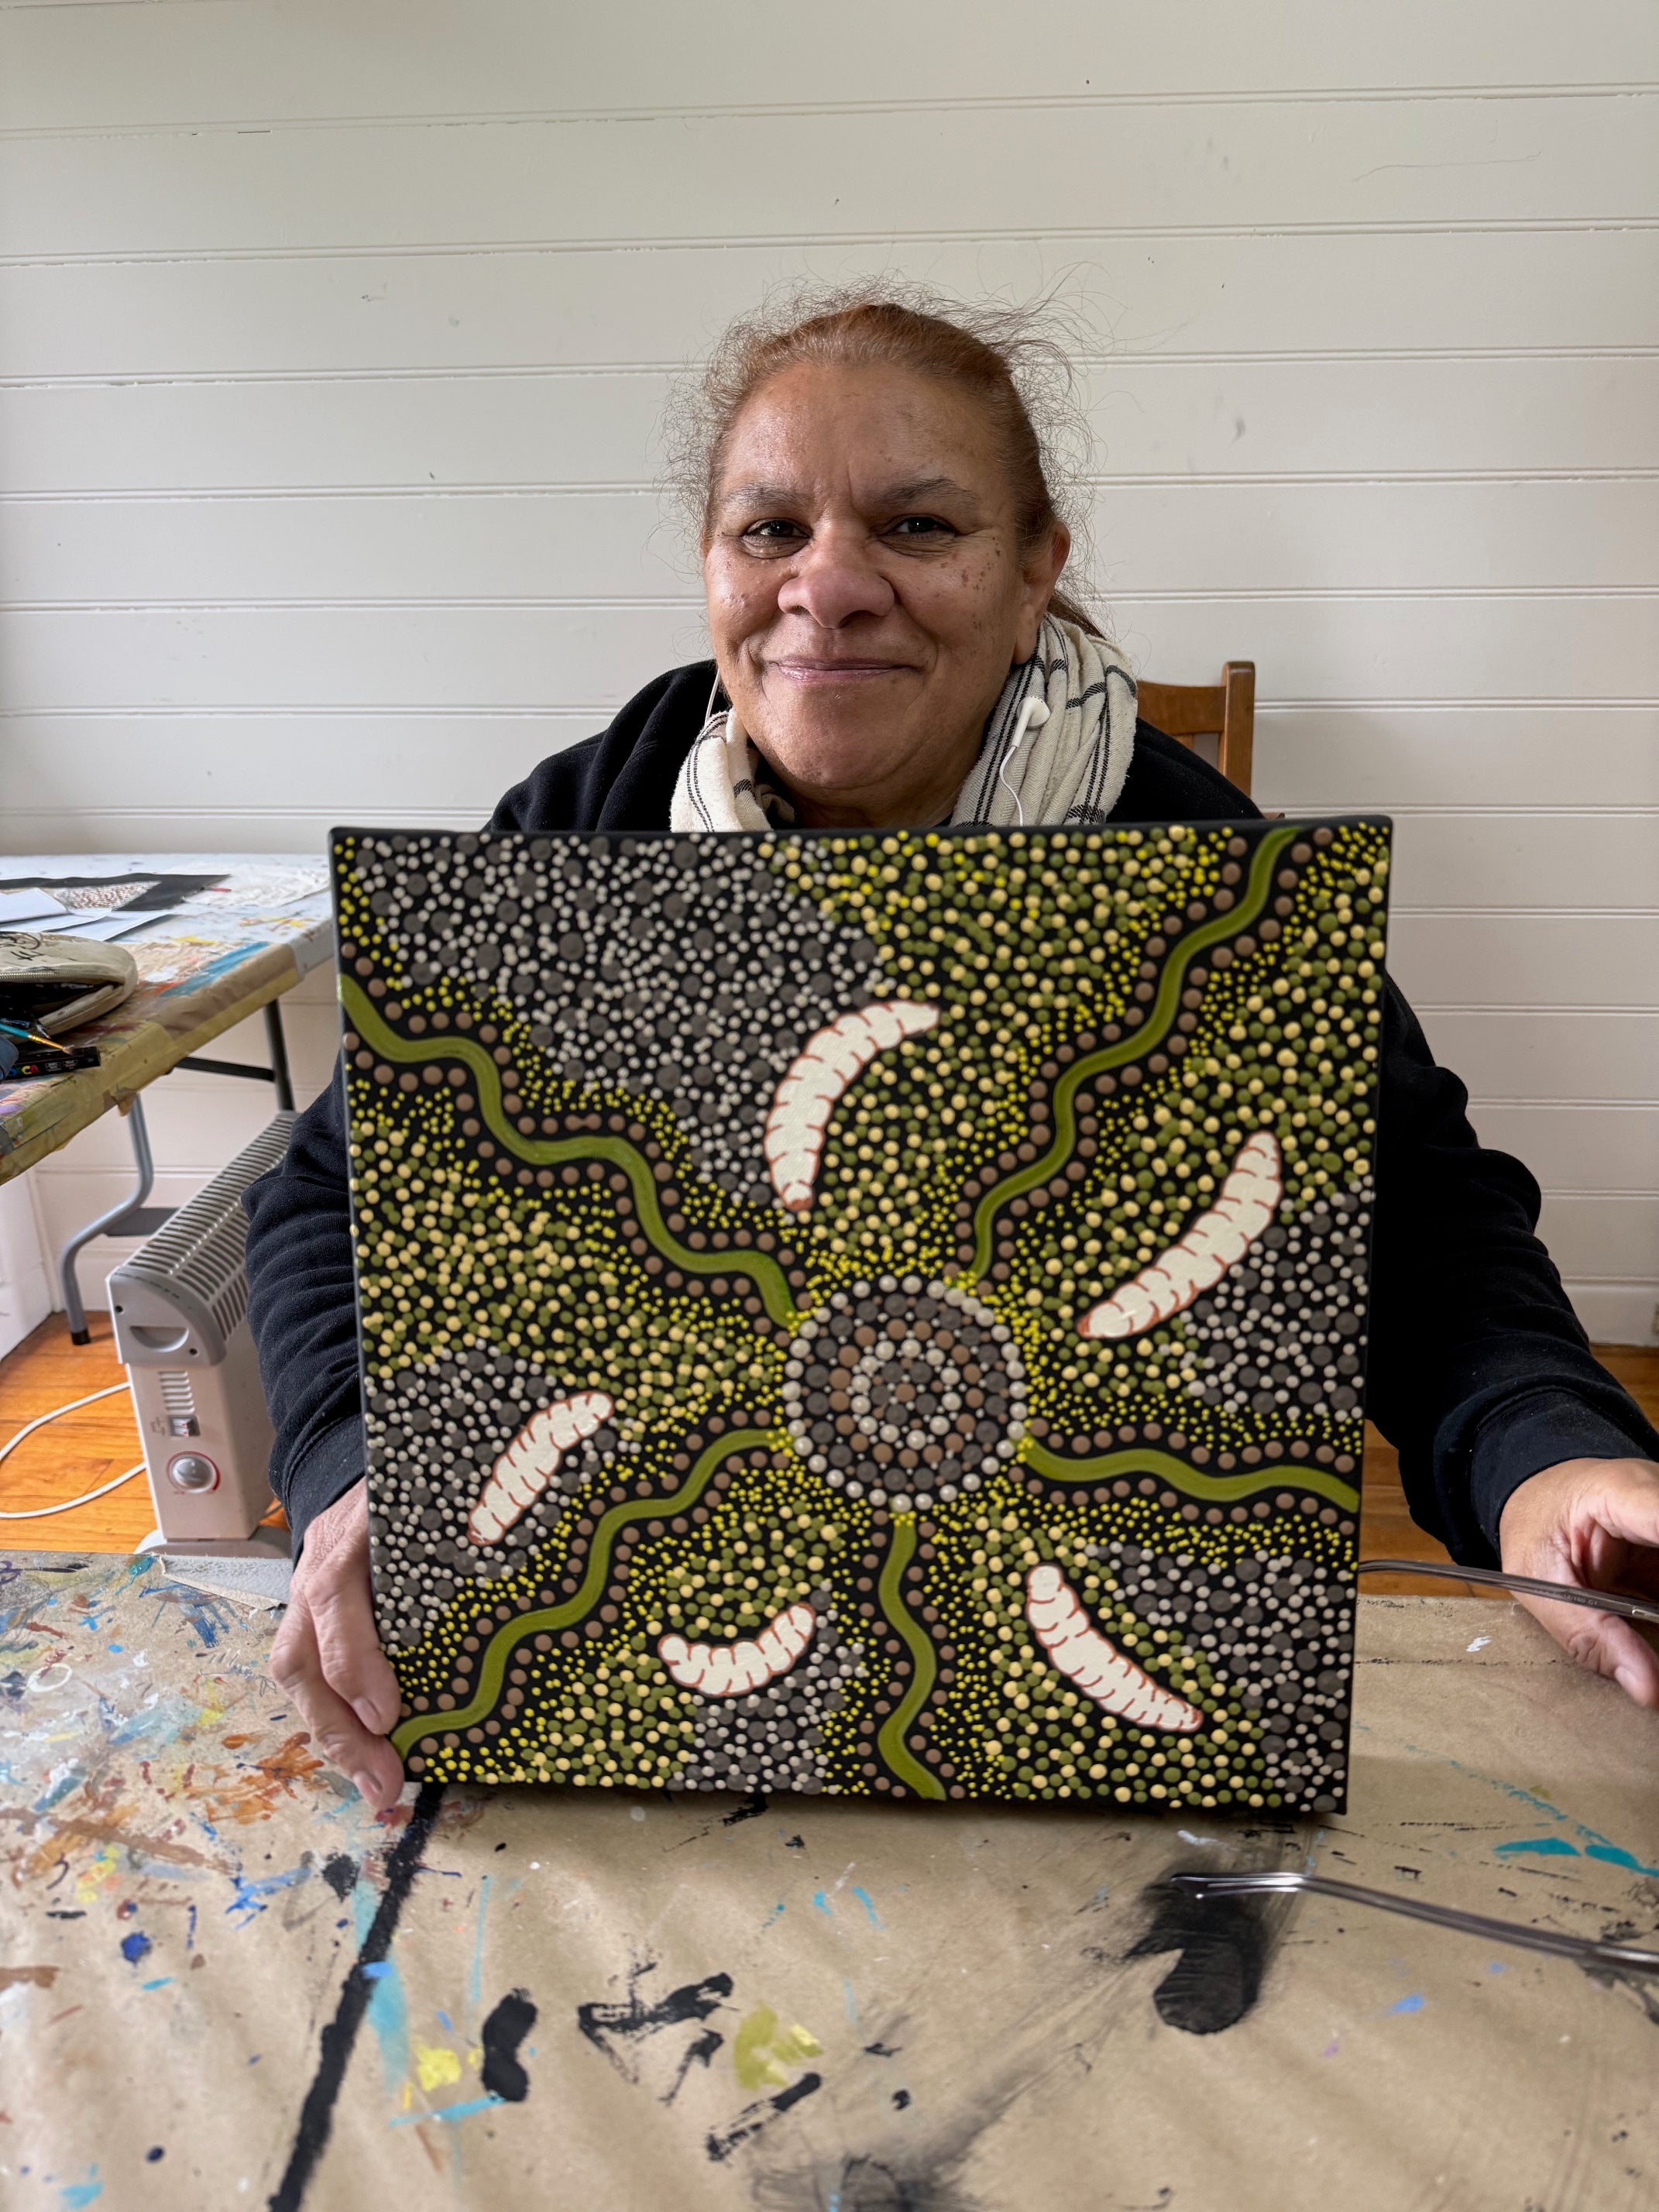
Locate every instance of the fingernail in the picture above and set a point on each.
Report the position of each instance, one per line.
(1625, 1678)
(364, 1709)
(367, 1789)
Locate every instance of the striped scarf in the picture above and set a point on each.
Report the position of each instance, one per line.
(1056, 749)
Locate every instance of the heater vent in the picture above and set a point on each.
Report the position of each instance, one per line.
(196, 1261)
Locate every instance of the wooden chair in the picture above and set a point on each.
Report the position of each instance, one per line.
(1224, 711)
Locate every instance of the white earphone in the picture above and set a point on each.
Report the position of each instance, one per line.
(1033, 714)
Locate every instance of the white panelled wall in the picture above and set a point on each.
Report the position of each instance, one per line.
(334, 334)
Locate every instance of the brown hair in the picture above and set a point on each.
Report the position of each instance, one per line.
(1018, 374)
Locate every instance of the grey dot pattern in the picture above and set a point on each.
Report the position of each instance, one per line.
(772, 1738)
(1285, 1330)
(434, 1433)
(677, 967)
(905, 1391)
(1276, 1632)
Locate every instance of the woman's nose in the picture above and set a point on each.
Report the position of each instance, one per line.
(833, 579)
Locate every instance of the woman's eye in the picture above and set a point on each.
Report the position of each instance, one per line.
(772, 532)
(921, 527)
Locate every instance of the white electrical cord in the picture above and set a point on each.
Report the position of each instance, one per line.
(44, 1512)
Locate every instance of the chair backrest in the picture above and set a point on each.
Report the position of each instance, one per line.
(1225, 711)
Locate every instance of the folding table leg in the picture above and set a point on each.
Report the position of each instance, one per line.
(131, 1215)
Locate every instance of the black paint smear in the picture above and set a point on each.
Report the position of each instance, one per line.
(722, 2142)
(504, 2032)
(750, 1810)
(882, 2050)
(340, 1873)
(1223, 1944)
(700, 2053)
(693, 2000)
(794, 1843)
(317, 2113)
(901, 2099)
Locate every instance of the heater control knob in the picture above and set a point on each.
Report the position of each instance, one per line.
(191, 1471)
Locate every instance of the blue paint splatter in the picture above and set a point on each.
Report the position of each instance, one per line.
(1412, 2003)
(1557, 1847)
(252, 1896)
(775, 1915)
(475, 1983)
(445, 2023)
(448, 2112)
(77, 2194)
(388, 2014)
(135, 1947)
(870, 1913)
(162, 1982)
(1610, 1855)
(821, 1904)
(71, 1778)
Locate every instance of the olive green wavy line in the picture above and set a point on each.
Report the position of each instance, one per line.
(493, 1665)
(889, 1741)
(1219, 1489)
(1160, 1017)
(762, 1270)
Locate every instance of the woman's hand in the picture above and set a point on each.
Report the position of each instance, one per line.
(1594, 1523)
(327, 1656)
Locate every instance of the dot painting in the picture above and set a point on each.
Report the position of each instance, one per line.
(880, 1314)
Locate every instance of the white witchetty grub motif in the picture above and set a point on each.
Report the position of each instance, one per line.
(1098, 1668)
(735, 1670)
(530, 1461)
(1217, 1241)
(806, 1097)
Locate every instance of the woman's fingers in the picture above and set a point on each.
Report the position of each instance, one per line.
(296, 1667)
(327, 1655)
(1594, 1524)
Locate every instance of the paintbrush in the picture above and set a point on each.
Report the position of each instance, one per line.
(1584, 1950)
(1633, 1609)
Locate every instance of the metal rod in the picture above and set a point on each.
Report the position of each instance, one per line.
(106, 1224)
(278, 1044)
(198, 1065)
(1584, 1950)
(1632, 1609)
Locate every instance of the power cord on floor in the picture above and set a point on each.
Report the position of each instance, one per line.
(44, 1512)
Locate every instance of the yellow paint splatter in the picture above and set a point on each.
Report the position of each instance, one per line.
(436, 2065)
(762, 2050)
(87, 1884)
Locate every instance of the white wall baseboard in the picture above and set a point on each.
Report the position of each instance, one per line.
(1617, 1313)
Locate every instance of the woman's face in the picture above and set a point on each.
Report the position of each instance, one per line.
(867, 590)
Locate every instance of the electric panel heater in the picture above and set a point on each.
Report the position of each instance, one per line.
(180, 1307)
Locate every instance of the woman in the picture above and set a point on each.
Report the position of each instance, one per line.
(882, 551)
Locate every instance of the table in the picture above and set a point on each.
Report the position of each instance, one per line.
(225, 953)
(225, 1984)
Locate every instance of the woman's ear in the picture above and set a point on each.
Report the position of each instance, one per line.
(1040, 572)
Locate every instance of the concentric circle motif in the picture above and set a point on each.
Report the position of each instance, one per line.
(905, 1391)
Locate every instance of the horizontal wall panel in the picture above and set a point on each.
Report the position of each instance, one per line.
(1323, 758)
(1519, 960)
(1196, 296)
(67, 66)
(1536, 1056)
(676, 177)
(1602, 1239)
(1349, 418)
(1578, 1148)
(491, 656)
(1605, 862)
(1172, 537)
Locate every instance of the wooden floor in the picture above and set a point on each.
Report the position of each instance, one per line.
(84, 1450)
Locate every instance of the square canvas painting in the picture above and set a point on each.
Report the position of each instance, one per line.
(880, 1314)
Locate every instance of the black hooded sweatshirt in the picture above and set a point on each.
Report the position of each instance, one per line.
(1478, 1372)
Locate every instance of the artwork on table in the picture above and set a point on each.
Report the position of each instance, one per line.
(869, 1313)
